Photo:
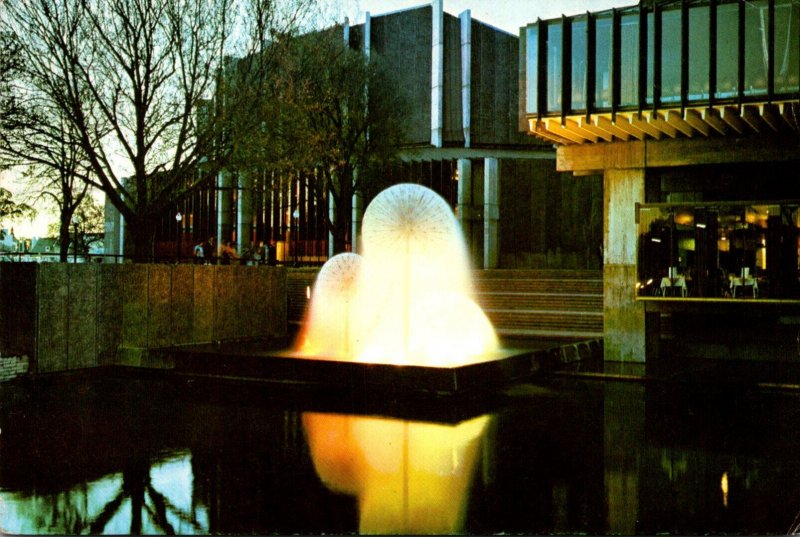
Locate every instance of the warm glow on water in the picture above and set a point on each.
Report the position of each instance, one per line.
(408, 477)
(408, 299)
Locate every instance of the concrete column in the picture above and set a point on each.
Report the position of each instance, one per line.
(332, 216)
(358, 217)
(367, 34)
(624, 336)
(464, 167)
(114, 231)
(466, 73)
(437, 72)
(244, 214)
(491, 212)
(224, 194)
(346, 31)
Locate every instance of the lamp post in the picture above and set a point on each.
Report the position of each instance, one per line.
(75, 221)
(178, 219)
(296, 216)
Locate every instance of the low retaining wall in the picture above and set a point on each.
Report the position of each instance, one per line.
(72, 316)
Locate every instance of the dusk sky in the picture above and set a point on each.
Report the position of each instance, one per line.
(508, 15)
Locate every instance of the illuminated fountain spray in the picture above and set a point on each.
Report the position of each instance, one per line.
(408, 300)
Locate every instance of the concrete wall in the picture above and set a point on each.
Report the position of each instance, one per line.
(549, 219)
(73, 316)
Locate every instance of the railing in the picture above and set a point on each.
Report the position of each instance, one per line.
(671, 54)
(37, 257)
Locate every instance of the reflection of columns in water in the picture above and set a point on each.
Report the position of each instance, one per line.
(623, 428)
(223, 207)
(244, 214)
(491, 212)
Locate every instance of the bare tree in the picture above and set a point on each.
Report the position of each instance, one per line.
(137, 81)
(333, 110)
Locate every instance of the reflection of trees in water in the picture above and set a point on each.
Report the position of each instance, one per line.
(137, 486)
(136, 499)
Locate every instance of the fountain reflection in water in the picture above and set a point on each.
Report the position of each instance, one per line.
(407, 477)
(408, 299)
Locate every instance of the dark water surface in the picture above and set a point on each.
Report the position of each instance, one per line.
(105, 454)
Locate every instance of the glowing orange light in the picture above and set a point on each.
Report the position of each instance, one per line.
(723, 485)
(408, 300)
(408, 477)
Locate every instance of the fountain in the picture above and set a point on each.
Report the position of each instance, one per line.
(408, 300)
(406, 304)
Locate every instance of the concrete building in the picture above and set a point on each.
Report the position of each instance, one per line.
(690, 111)
(463, 140)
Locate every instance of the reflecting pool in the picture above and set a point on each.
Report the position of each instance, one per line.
(115, 455)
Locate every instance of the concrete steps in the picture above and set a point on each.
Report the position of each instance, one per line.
(565, 304)
(542, 303)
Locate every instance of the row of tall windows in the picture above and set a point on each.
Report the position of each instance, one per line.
(755, 46)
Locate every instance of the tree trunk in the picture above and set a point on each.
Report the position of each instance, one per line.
(64, 238)
(143, 235)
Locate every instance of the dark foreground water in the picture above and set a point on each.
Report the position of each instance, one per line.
(126, 455)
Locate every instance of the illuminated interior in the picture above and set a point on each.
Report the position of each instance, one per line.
(408, 477)
(408, 299)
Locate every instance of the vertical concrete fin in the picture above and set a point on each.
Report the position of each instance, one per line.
(466, 73)
(437, 72)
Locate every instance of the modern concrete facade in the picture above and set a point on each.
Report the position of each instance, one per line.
(689, 110)
(462, 80)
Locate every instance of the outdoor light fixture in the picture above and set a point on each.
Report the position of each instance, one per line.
(295, 216)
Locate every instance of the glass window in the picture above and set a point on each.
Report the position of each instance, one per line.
(579, 65)
(531, 67)
(698, 54)
(629, 60)
(787, 45)
(727, 51)
(734, 250)
(755, 47)
(603, 62)
(670, 55)
(554, 56)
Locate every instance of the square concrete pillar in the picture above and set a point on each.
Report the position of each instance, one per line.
(491, 212)
(224, 201)
(624, 336)
(464, 167)
(244, 215)
(358, 217)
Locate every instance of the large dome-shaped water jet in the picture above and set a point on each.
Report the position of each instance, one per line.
(409, 300)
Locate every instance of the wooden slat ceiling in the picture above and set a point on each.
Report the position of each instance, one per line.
(701, 122)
